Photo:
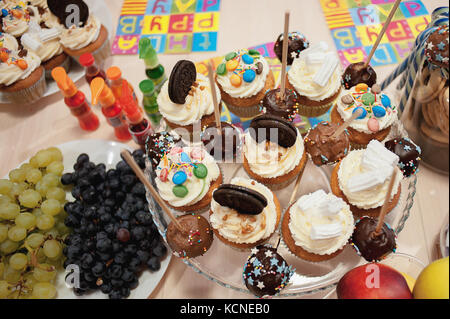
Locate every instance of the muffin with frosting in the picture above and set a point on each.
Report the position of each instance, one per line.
(378, 114)
(243, 77)
(186, 178)
(273, 151)
(16, 18)
(22, 78)
(244, 213)
(362, 179)
(45, 43)
(198, 106)
(316, 77)
(317, 226)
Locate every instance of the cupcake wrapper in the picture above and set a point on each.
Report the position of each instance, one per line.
(102, 53)
(280, 186)
(65, 65)
(245, 112)
(355, 146)
(28, 95)
(314, 111)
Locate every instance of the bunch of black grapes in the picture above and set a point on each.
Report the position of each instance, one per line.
(114, 237)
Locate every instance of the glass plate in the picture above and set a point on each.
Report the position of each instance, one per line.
(224, 265)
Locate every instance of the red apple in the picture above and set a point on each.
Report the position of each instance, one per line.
(373, 281)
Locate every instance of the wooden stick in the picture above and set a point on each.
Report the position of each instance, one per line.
(137, 170)
(296, 187)
(385, 205)
(214, 97)
(383, 30)
(342, 128)
(284, 55)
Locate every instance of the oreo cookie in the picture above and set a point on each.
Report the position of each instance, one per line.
(242, 199)
(67, 15)
(181, 80)
(274, 129)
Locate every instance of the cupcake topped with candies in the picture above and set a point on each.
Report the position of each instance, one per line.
(8, 42)
(243, 77)
(16, 18)
(378, 114)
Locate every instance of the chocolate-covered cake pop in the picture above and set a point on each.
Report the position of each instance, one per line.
(322, 148)
(286, 108)
(230, 141)
(158, 144)
(437, 47)
(408, 152)
(266, 273)
(297, 43)
(370, 246)
(194, 241)
(356, 73)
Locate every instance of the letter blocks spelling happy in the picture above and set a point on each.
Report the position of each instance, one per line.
(173, 26)
(355, 25)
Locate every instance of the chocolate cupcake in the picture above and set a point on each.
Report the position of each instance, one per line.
(297, 43)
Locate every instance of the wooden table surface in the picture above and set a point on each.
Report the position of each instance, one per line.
(26, 129)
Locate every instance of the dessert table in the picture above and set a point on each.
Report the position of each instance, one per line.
(26, 129)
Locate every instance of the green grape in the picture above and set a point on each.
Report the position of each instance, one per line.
(41, 188)
(30, 198)
(37, 212)
(18, 261)
(33, 162)
(2, 268)
(62, 228)
(17, 175)
(45, 222)
(17, 233)
(51, 180)
(11, 275)
(43, 158)
(8, 247)
(44, 273)
(34, 175)
(55, 168)
(52, 248)
(26, 220)
(9, 211)
(3, 233)
(55, 153)
(4, 289)
(52, 232)
(44, 290)
(51, 207)
(17, 189)
(56, 193)
(5, 186)
(35, 240)
(4, 199)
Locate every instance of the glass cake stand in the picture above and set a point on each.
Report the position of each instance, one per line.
(224, 265)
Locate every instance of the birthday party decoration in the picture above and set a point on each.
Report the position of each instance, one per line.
(173, 26)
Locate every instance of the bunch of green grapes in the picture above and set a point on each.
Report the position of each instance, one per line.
(32, 229)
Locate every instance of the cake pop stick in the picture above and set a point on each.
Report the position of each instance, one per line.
(214, 98)
(137, 170)
(284, 57)
(383, 30)
(343, 127)
(384, 209)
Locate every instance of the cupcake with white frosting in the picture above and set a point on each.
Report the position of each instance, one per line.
(378, 114)
(187, 177)
(316, 77)
(244, 213)
(362, 179)
(277, 160)
(8, 42)
(317, 226)
(22, 78)
(243, 77)
(16, 18)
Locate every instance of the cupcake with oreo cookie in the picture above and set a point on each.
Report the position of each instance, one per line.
(243, 77)
(244, 213)
(273, 151)
(185, 99)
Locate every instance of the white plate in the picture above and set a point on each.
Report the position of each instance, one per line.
(100, 10)
(107, 152)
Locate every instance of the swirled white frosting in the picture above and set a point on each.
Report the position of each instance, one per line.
(301, 76)
(50, 20)
(11, 73)
(47, 50)
(269, 160)
(245, 229)
(9, 42)
(39, 3)
(361, 125)
(76, 38)
(198, 104)
(373, 197)
(197, 188)
(318, 229)
(246, 89)
(17, 26)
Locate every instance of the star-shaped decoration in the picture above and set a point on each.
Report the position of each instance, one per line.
(257, 271)
(439, 57)
(254, 251)
(430, 46)
(274, 262)
(401, 165)
(256, 262)
(268, 253)
(250, 281)
(441, 46)
(407, 148)
(294, 55)
(260, 285)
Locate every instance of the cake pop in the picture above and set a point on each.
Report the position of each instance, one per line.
(408, 152)
(357, 73)
(322, 148)
(274, 105)
(266, 273)
(158, 144)
(297, 42)
(223, 146)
